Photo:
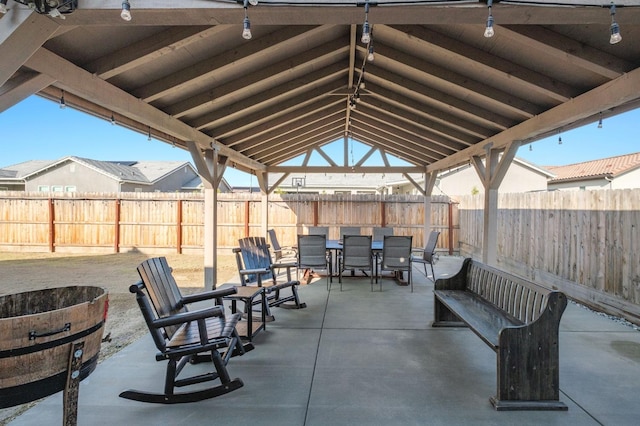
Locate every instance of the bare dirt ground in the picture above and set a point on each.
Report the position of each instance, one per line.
(115, 272)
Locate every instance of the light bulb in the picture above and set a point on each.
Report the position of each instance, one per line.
(126, 11)
(615, 33)
(366, 34)
(370, 56)
(488, 31)
(253, 2)
(246, 32)
(63, 104)
(3, 6)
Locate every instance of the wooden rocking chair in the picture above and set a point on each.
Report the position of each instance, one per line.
(184, 336)
(255, 268)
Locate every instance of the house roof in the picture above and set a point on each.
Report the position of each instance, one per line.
(142, 172)
(20, 170)
(611, 167)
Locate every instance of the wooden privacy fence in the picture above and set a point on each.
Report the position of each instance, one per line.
(585, 243)
(174, 221)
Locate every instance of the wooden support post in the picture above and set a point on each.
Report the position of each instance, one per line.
(116, 227)
(52, 226)
(210, 167)
(491, 174)
(179, 227)
(72, 386)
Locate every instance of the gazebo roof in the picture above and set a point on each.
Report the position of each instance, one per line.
(436, 93)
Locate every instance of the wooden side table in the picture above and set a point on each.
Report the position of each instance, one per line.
(248, 295)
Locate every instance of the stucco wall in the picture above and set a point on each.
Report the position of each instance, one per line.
(465, 181)
(71, 173)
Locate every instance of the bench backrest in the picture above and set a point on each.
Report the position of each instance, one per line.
(517, 296)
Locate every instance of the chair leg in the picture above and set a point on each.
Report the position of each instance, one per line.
(409, 278)
(433, 274)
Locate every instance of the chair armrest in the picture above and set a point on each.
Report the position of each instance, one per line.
(207, 295)
(256, 271)
(184, 317)
(284, 265)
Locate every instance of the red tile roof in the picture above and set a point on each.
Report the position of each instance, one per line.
(611, 167)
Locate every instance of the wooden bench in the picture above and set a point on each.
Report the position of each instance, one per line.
(519, 320)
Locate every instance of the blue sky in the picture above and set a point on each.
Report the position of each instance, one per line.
(37, 129)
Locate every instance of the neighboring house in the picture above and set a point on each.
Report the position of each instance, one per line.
(76, 174)
(618, 172)
(521, 176)
(335, 183)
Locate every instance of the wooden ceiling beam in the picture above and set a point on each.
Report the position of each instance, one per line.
(88, 86)
(274, 97)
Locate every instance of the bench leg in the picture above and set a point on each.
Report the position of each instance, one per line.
(528, 370)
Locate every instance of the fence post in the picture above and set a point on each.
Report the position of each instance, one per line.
(315, 213)
(52, 229)
(246, 218)
(383, 214)
(116, 224)
(450, 228)
(179, 227)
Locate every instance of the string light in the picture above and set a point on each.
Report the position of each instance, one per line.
(366, 29)
(600, 122)
(246, 24)
(149, 134)
(370, 56)
(113, 119)
(488, 31)
(530, 147)
(125, 13)
(3, 6)
(615, 28)
(63, 104)
(559, 140)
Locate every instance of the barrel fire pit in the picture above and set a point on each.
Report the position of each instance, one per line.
(49, 341)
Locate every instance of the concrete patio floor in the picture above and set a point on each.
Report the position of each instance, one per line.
(358, 357)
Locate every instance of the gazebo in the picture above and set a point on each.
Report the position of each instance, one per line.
(251, 85)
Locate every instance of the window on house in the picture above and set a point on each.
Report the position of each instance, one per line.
(138, 189)
(582, 188)
(56, 188)
(70, 188)
(43, 188)
(4, 188)
(72, 168)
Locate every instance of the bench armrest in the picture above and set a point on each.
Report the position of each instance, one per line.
(455, 282)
